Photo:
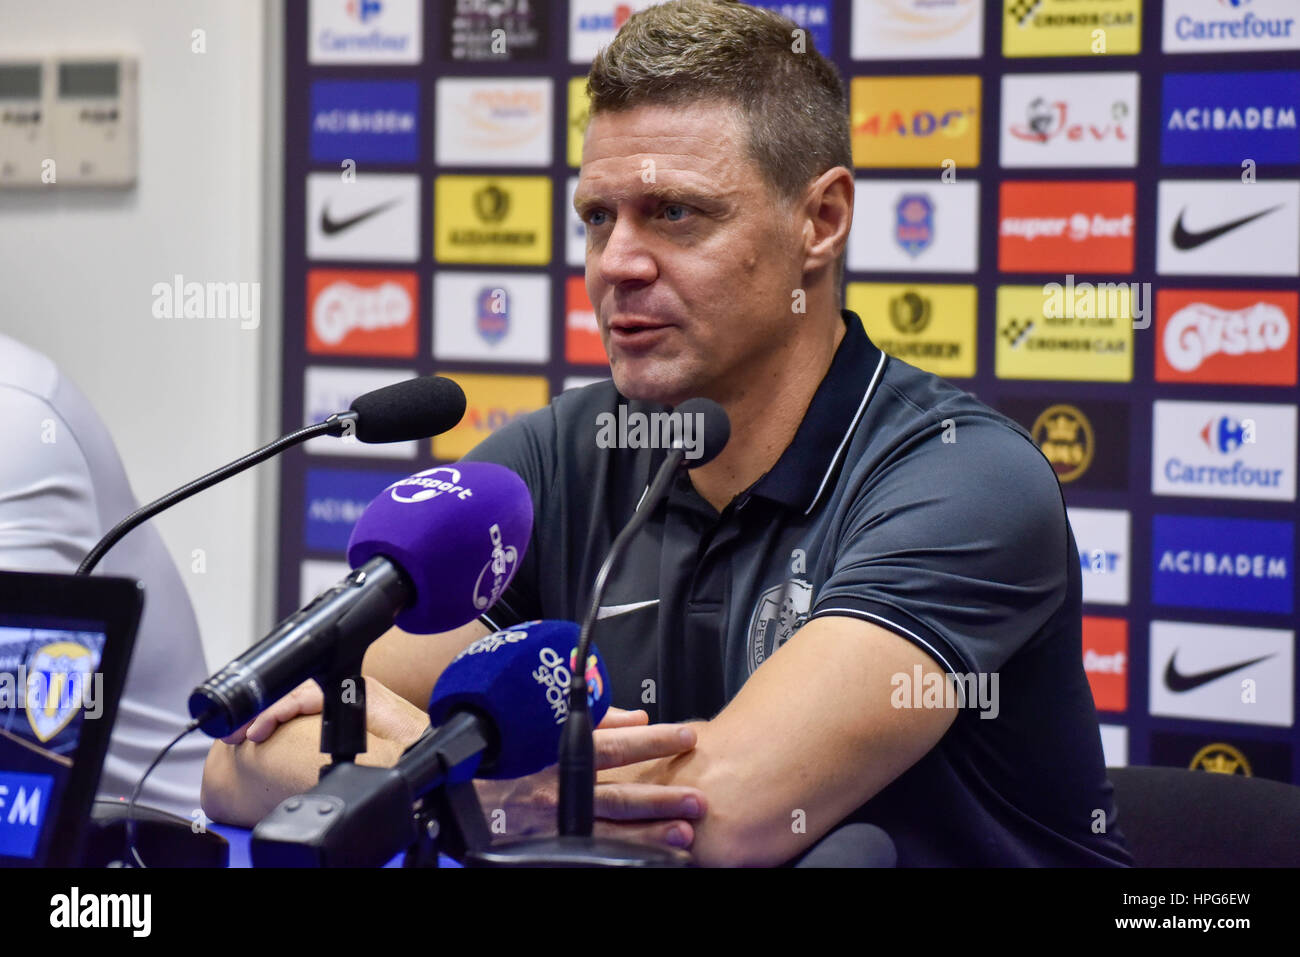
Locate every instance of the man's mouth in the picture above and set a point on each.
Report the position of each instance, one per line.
(637, 333)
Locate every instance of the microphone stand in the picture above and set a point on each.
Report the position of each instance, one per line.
(335, 425)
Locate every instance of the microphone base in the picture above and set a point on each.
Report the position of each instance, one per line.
(575, 851)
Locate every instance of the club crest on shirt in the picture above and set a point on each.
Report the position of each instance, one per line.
(780, 612)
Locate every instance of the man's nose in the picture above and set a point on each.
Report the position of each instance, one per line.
(625, 256)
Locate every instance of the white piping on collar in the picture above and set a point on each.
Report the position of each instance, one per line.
(857, 416)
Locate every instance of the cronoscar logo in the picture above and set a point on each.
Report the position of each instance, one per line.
(499, 567)
(1198, 331)
(1220, 758)
(1065, 437)
(426, 486)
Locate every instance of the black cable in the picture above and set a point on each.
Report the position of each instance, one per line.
(139, 786)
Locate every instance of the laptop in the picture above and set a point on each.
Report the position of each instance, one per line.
(65, 643)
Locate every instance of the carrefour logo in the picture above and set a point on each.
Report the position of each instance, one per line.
(1227, 563)
(1224, 450)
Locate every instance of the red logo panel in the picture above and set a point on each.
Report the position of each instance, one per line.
(1061, 227)
(1105, 661)
(1235, 338)
(582, 345)
(362, 312)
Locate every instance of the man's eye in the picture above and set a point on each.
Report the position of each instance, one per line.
(675, 212)
(594, 217)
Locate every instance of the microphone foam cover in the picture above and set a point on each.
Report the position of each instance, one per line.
(715, 429)
(414, 409)
(518, 679)
(457, 531)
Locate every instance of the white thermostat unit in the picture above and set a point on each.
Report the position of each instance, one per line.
(93, 116)
(25, 142)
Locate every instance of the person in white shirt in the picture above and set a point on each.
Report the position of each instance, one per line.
(62, 487)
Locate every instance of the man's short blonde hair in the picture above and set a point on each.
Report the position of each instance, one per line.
(789, 97)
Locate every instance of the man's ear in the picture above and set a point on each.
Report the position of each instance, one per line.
(827, 214)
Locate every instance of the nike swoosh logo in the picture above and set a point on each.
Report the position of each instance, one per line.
(609, 611)
(331, 226)
(1184, 239)
(1177, 681)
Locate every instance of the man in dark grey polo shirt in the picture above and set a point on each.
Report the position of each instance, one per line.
(798, 601)
(901, 502)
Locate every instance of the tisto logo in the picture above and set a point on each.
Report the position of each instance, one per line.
(427, 484)
(361, 312)
(499, 570)
(1230, 337)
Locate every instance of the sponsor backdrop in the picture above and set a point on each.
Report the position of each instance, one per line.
(1086, 212)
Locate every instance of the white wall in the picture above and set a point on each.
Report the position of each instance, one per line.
(180, 396)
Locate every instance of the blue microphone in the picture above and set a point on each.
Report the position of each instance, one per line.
(497, 711)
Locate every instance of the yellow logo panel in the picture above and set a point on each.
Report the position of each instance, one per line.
(579, 111)
(492, 219)
(929, 326)
(1040, 335)
(490, 402)
(915, 121)
(1071, 27)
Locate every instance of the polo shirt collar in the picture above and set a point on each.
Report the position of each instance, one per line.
(806, 468)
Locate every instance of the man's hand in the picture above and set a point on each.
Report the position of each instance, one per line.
(628, 810)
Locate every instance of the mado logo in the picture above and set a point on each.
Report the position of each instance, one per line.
(1196, 26)
(915, 121)
(1224, 450)
(492, 401)
(364, 31)
(429, 484)
(1226, 336)
(367, 121)
(1223, 118)
(1066, 227)
(335, 500)
(593, 23)
(1069, 119)
(500, 568)
(361, 312)
(1222, 673)
(1229, 563)
(1102, 537)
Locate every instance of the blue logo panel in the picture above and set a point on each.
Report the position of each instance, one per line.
(335, 500)
(1225, 118)
(814, 17)
(367, 121)
(24, 801)
(1225, 563)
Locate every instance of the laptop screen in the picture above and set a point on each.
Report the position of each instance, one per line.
(65, 643)
(50, 685)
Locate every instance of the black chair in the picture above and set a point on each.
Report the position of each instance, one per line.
(1177, 818)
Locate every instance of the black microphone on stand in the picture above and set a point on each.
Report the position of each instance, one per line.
(414, 409)
(576, 807)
